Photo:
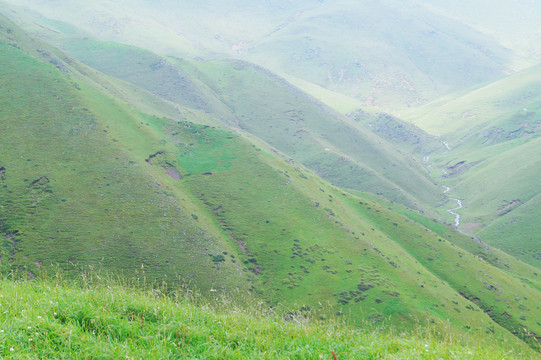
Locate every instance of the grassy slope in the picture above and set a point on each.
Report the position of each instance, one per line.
(455, 114)
(304, 243)
(238, 212)
(302, 128)
(92, 202)
(493, 255)
(404, 136)
(54, 319)
(494, 135)
(208, 86)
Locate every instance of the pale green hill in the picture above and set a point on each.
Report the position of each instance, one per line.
(494, 162)
(459, 114)
(346, 46)
(514, 23)
(341, 45)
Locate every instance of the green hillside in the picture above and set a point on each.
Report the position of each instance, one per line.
(315, 136)
(71, 194)
(493, 164)
(456, 115)
(271, 109)
(87, 178)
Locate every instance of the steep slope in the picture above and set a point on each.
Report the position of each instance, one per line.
(160, 198)
(269, 108)
(71, 194)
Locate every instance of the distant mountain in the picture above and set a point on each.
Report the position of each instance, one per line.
(344, 46)
(388, 54)
(515, 24)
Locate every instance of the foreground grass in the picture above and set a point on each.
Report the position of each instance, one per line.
(48, 319)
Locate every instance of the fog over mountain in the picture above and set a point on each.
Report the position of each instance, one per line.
(388, 54)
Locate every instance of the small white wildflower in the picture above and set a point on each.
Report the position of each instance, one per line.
(54, 314)
(39, 317)
(30, 327)
(1, 331)
(30, 339)
(11, 349)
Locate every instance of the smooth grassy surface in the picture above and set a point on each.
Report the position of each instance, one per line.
(456, 114)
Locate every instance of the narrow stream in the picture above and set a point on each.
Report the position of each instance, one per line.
(452, 211)
(460, 206)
